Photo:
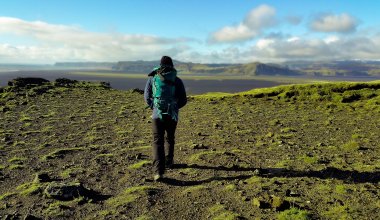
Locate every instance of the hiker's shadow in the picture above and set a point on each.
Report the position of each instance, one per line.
(327, 173)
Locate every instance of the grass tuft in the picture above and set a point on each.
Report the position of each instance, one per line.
(293, 214)
(129, 195)
(27, 189)
(139, 164)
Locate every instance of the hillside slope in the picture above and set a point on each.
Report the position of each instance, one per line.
(304, 151)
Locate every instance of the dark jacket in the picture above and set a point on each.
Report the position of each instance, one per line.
(180, 95)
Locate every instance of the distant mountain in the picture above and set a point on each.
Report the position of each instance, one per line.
(135, 66)
(264, 69)
(197, 68)
(336, 68)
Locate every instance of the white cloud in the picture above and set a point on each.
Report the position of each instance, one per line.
(342, 23)
(233, 33)
(260, 17)
(331, 39)
(292, 39)
(329, 48)
(50, 43)
(62, 42)
(257, 19)
(296, 48)
(264, 43)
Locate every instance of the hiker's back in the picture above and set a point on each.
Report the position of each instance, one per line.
(165, 94)
(163, 86)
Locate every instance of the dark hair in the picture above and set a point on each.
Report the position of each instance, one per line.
(166, 61)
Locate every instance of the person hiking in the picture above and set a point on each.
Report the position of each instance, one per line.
(165, 94)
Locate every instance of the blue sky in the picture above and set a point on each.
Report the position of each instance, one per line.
(41, 31)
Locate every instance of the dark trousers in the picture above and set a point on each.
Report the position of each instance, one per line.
(160, 127)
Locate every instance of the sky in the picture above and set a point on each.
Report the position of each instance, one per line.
(199, 31)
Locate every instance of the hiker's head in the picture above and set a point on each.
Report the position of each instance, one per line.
(166, 61)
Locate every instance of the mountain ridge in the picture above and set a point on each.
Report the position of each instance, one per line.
(288, 68)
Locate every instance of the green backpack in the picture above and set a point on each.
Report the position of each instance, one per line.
(164, 92)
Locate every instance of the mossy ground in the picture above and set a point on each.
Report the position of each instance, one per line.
(306, 151)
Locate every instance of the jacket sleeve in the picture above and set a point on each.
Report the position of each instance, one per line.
(180, 93)
(148, 97)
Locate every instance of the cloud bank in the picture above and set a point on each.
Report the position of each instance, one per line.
(342, 23)
(297, 48)
(62, 42)
(326, 37)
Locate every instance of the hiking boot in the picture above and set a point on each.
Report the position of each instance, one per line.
(158, 177)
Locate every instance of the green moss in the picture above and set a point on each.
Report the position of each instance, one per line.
(293, 214)
(27, 124)
(50, 114)
(27, 189)
(274, 122)
(55, 209)
(216, 208)
(6, 195)
(189, 171)
(254, 180)
(129, 195)
(286, 136)
(139, 164)
(351, 146)
(325, 188)
(230, 187)
(104, 155)
(199, 155)
(18, 144)
(16, 167)
(211, 95)
(340, 189)
(284, 163)
(138, 148)
(25, 118)
(192, 189)
(93, 137)
(69, 172)
(337, 212)
(16, 160)
(361, 167)
(345, 92)
(286, 130)
(356, 136)
(269, 135)
(103, 213)
(30, 133)
(309, 159)
(47, 129)
(219, 212)
(44, 146)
